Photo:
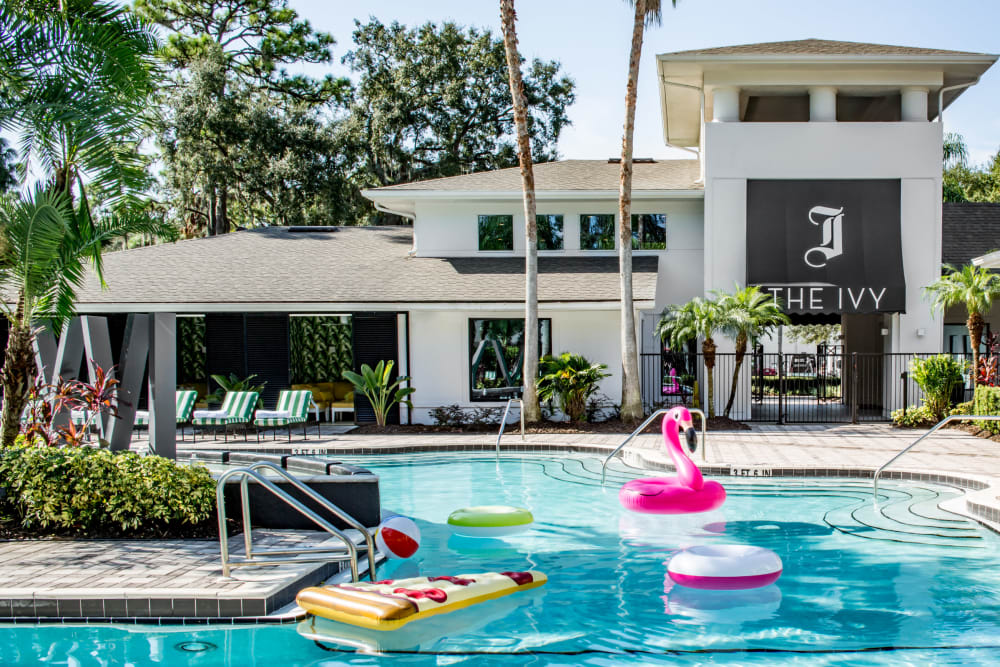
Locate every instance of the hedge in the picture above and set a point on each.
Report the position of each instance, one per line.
(794, 386)
(986, 401)
(89, 490)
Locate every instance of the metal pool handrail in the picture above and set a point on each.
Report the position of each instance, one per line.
(951, 418)
(250, 559)
(503, 420)
(649, 420)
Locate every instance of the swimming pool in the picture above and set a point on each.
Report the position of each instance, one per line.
(902, 583)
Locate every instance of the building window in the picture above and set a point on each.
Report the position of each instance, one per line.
(496, 232)
(496, 356)
(550, 232)
(597, 231)
(649, 231)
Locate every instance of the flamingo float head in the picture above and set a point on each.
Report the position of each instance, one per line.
(685, 424)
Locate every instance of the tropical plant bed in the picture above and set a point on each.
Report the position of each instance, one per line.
(542, 428)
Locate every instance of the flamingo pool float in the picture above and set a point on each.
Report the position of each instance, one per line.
(686, 493)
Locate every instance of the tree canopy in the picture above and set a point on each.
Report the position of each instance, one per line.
(962, 181)
(435, 101)
(244, 142)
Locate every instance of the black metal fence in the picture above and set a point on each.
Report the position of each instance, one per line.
(828, 386)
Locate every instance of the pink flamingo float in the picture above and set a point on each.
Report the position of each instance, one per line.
(688, 492)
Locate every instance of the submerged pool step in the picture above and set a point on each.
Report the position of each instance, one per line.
(911, 515)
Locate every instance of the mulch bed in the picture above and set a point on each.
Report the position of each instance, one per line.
(978, 431)
(542, 428)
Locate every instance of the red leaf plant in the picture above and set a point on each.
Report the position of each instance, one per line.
(47, 401)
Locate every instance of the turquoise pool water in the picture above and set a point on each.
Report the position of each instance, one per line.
(901, 583)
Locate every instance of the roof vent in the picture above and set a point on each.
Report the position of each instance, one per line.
(311, 229)
(635, 160)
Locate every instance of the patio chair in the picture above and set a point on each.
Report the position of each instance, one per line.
(293, 408)
(185, 406)
(237, 408)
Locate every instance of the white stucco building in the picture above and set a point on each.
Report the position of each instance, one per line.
(818, 176)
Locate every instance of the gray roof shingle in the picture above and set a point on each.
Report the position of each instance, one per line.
(819, 47)
(350, 265)
(968, 230)
(568, 175)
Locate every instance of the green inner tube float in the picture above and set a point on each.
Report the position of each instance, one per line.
(490, 520)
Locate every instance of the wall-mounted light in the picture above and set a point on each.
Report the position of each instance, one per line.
(885, 332)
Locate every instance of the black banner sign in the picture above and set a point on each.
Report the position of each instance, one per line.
(827, 246)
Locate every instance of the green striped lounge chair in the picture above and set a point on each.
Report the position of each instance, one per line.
(237, 408)
(293, 408)
(185, 406)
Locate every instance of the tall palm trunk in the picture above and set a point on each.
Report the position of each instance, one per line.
(631, 397)
(741, 352)
(532, 410)
(976, 326)
(708, 352)
(15, 377)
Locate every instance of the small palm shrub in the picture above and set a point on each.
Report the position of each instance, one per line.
(86, 490)
(937, 376)
(571, 380)
(380, 389)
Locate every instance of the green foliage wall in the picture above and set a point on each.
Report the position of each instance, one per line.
(987, 402)
(191, 350)
(320, 349)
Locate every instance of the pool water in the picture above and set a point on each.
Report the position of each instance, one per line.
(903, 582)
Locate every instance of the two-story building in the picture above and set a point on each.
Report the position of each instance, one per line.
(818, 177)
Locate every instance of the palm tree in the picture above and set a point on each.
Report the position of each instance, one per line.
(77, 80)
(973, 287)
(750, 314)
(44, 248)
(647, 12)
(532, 410)
(698, 318)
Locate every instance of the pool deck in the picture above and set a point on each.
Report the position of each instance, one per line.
(172, 581)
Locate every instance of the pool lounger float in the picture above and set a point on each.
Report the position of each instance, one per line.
(391, 604)
(490, 520)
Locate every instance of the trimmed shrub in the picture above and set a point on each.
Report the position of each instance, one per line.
(88, 490)
(987, 402)
(937, 376)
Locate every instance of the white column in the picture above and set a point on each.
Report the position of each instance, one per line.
(914, 102)
(726, 105)
(823, 104)
(163, 385)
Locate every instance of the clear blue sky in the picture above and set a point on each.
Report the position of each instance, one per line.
(591, 40)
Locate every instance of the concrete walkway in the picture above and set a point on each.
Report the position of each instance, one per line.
(807, 446)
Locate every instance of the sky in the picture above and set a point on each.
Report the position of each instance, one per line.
(591, 39)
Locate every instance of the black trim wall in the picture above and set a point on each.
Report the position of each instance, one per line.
(375, 338)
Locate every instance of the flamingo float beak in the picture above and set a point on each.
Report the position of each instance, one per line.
(690, 434)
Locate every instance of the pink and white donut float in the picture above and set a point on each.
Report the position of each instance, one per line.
(688, 492)
(725, 567)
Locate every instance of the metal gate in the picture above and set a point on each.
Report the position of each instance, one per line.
(828, 386)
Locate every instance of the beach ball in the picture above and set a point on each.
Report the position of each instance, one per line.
(397, 537)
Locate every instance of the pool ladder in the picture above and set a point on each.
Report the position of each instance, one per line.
(649, 420)
(261, 557)
(951, 418)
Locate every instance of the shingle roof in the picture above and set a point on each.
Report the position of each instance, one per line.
(569, 175)
(968, 230)
(819, 47)
(350, 265)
